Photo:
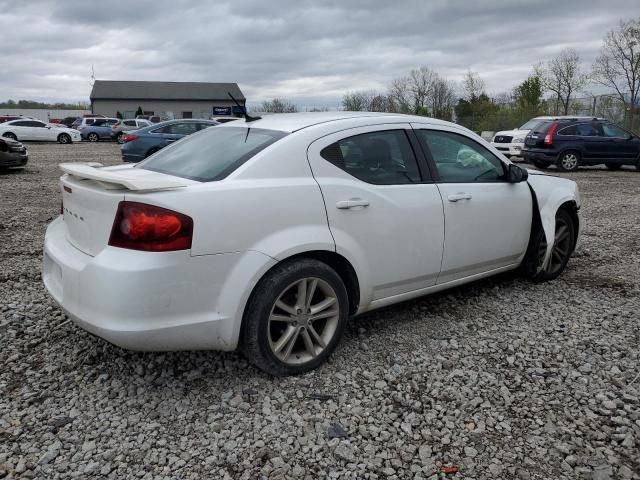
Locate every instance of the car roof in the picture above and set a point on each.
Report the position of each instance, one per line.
(172, 122)
(291, 122)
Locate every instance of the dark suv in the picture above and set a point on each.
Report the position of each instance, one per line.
(572, 142)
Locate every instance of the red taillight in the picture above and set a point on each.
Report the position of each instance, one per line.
(80, 128)
(129, 137)
(548, 138)
(139, 226)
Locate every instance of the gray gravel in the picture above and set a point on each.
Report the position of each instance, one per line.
(501, 379)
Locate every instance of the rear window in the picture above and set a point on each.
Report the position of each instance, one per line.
(211, 154)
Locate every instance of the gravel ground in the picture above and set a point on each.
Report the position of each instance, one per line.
(499, 379)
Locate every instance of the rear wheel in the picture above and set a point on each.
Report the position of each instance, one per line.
(613, 166)
(563, 243)
(295, 317)
(93, 137)
(64, 138)
(568, 161)
(541, 164)
(10, 135)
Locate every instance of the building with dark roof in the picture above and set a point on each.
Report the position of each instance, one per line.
(166, 99)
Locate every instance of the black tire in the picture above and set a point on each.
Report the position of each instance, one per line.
(10, 135)
(261, 333)
(613, 166)
(151, 152)
(63, 138)
(562, 250)
(93, 137)
(568, 161)
(541, 164)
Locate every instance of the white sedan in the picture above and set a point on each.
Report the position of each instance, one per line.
(267, 235)
(37, 131)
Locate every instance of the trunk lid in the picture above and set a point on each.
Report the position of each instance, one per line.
(90, 198)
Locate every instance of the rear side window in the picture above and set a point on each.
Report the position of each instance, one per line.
(212, 154)
(21, 124)
(381, 158)
(587, 130)
(570, 130)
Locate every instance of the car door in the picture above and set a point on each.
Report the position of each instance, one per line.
(595, 145)
(384, 213)
(622, 147)
(21, 129)
(487, 219)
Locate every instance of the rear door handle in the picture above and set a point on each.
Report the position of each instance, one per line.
(459, 196)
(351, 203)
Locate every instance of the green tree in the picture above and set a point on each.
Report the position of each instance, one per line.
(139, 111)
(528, 95)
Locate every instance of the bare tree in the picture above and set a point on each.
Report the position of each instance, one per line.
(562, 76)
(442, 99)
(618, 66)
(421, 82)
(359, 101)
(278, 105)
(400, 92)
(472, 85)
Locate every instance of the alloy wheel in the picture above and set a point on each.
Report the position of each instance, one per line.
(303, 320)
(93, 137)
(569, 161)
(561, 247)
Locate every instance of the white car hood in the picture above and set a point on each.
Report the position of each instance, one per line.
(512, 133)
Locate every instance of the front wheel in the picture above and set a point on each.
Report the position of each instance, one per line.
(568, 161)
(534, 265)
(64, 138)
(295, 317)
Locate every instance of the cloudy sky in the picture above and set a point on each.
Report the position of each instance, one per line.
(310, 52)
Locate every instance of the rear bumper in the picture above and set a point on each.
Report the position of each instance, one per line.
(151, 301)
(543, 155)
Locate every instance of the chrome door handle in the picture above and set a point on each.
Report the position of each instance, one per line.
(459, 196)
(351, 203)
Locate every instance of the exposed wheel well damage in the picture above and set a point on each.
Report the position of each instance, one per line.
(572, 209)
(343, 268)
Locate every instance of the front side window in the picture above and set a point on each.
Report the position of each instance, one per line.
(212, 154)
(37, 124)
(530, 125)
(381, 158)
(613, 131)
(459, 159)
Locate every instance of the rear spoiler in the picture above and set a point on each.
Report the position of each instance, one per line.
(132, 179)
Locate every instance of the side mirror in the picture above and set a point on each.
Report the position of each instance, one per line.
(517, 174)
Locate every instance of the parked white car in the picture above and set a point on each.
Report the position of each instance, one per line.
(511, 142)
(268, 235)
(37, 131)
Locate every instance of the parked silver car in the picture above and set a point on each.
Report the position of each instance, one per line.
(118, 129)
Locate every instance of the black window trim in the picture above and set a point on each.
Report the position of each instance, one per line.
(595, 127)
(432, 164)
(421, 164)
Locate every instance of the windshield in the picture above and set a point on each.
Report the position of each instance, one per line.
(211, 154)
(530, 124)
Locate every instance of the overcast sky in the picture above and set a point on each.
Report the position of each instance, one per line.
(310, 52)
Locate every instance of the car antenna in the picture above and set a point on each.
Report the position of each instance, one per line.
(247, 117)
